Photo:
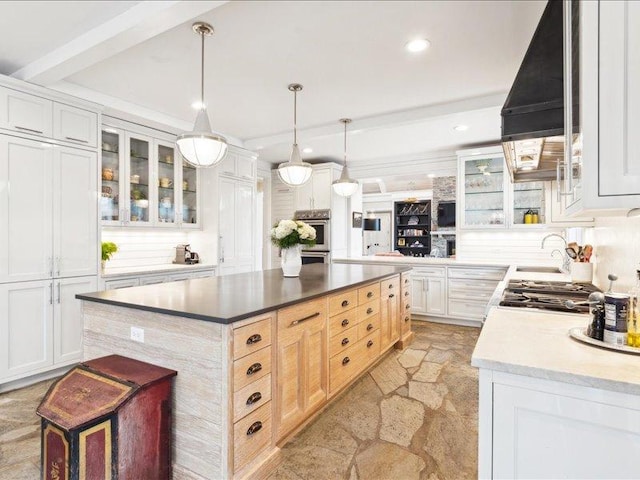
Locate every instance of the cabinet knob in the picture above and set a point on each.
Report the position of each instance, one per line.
(369, 310)
(391, 285)
(345, 303)
(345, 360)
(369, 294)
(255, 427)
(254, 339)
(345, 322)
(391, 295)
(370, 327)
(406, 294)
(256, 367)
(406, 319)
(345, 341)
(255, 397)
(407, 307)
(370, 344)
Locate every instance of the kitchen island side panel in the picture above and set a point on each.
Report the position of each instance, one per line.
(198, 351)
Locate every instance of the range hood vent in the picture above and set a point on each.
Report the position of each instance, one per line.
(534, 108)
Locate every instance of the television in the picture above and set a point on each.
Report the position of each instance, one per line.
(447, 214)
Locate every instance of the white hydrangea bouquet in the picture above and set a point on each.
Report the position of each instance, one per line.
(290, 233)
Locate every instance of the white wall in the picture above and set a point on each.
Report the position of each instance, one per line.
(616, 245)
(143, 247)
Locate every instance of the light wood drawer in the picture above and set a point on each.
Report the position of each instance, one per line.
(251, 397)
(342, 302)
(250, 368)
(368, 310)
(370, 349)
(251, 435)
(390, 284)
(405, 280)
(405, 295)
(393, 292)
(251, 338)
(342, 322)
(405, 322)
(368, 326)
(299, 315)
(344, 366)
(343, 341)
(368, 293)
(405, 308)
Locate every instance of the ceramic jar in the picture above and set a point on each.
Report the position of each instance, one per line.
(291, 261)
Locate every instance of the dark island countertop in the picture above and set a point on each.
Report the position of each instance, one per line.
(231, 298)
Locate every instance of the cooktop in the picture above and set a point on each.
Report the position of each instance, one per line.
(547, 295)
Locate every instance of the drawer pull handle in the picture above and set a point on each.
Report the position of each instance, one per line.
(29, 129)
(369, 310)
(369, 294)
(345, 303)
(345, 322)
(370, 344)
(345, 341)
(391, 285)
(391, 295)
(406, 281)
(370, 327)
(345, 360)
(406, 319)
(76, 139)
(255, 368)
(254, 339)
(255, 397)
(255, 427)
(304, 319)
(407, 307)
(406, 294)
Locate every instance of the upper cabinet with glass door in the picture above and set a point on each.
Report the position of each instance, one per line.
(145, 182)
(482, 189)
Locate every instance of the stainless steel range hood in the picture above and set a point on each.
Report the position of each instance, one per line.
(533, 114)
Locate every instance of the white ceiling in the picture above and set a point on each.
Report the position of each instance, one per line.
(349, 55)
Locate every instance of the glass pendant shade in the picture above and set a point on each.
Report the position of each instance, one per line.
(295, 172)
(345, 186)
(201, 147)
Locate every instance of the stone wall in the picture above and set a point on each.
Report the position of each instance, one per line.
(444, 190)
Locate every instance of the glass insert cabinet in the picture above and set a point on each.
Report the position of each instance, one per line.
(487, 198)
(145, 182)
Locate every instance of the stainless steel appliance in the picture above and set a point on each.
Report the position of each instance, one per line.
(309, 257)
(547, 295)
(321, 221)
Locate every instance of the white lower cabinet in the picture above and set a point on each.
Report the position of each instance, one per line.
(428, 295)
(154, 279)
(535, 428)
(40, 325)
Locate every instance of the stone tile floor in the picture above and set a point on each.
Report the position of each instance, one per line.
(414, 416)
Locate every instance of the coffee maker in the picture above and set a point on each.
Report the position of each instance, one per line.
(185, 256)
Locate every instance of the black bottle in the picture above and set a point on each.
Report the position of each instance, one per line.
(596, 329)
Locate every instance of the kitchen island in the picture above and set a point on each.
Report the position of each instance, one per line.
(257, 354)
(550, 406)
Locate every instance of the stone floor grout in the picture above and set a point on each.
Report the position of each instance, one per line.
(424, 428)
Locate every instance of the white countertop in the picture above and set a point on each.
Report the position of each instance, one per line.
(378, 259)
(536, 343)
(144, 269)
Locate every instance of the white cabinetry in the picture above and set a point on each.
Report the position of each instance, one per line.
(41, 325)
(75, 125)
(429, 291)
(26, 113)
(126, 281)
(316, 194)
(47, 210)
(536, 428)
(606, 176)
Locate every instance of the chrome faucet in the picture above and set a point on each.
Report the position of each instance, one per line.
(566, 261)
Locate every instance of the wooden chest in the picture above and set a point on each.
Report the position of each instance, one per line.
(108, 418)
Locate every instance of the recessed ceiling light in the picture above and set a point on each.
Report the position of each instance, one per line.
(431, 175)
(461, 128)
(198, 105)
(110, 130)
(417, 45)
(307, 150)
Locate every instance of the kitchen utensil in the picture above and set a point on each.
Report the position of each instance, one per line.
(574, 246)
(593, 299)
(571, 252)
(612, 278)
(587, 252)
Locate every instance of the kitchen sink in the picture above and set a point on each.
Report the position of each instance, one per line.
(539, 269)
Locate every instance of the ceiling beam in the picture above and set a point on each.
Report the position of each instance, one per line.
(136, 25)
(394, 119)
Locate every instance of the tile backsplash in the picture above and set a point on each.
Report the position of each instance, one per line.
(617, 250)
(143, 247)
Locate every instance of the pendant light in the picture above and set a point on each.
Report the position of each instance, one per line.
(202, 147)
(345, 186)
(295, 172)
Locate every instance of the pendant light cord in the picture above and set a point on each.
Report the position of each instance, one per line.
(345, 144)
(202, 73)
(295, 117)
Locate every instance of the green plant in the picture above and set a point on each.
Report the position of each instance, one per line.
(108, 249)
